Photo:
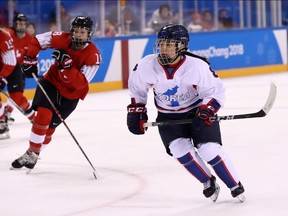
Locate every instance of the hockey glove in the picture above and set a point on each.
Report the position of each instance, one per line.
(204, 113)
(30, 66)
(3, 83)
(136, 117)
(64, 60)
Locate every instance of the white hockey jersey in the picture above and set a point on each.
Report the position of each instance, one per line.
(191, 84)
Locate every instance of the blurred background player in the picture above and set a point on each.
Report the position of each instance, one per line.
(7, 65)
(161, 17)
(21, 40)
(196, 23)
(185, 87)
(76, 63)
(31, 29)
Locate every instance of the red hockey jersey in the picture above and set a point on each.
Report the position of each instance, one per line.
(7, 54)
(20, 44)
(71, 83)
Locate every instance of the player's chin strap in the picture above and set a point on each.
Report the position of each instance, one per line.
(261, 113)
(64, 123)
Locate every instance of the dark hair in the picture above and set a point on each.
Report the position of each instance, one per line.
(163, 7)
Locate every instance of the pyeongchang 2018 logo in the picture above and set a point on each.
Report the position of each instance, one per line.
(226, 52)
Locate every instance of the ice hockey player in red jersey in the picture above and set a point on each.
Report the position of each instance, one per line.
(184, 87)
(7, 65)
(21, 40)
(77, 60)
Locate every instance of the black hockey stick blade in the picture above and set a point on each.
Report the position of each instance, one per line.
(261, 113)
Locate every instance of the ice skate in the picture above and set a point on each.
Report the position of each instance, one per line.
(4, 130)
(211, 189)
(29, 160)
(8, 110)
(238, 192)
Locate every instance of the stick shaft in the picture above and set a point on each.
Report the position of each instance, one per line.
(63, 121)
(13, 102)
(261, 113)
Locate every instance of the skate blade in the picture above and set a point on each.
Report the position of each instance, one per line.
(241, 197)
(13, 168)
(214, 196)
(4, 136)
(28, 171)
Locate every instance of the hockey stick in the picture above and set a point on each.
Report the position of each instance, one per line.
(64, 123)
(13, 102)
(261, 113)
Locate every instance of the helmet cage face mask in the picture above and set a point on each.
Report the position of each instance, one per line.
(80, 23)
(79, 41)
(169, 36)
(167, 51)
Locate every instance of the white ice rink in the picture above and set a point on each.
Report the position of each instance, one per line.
(137, 178)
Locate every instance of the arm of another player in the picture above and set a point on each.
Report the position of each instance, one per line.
(30, 61)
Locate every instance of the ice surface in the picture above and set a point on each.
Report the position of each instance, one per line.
(136, 176)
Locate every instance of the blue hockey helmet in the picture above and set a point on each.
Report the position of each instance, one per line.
(171, 34)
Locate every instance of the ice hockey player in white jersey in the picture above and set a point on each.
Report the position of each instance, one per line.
(185, 87)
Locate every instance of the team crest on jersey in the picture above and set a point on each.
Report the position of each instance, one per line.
(172, 96)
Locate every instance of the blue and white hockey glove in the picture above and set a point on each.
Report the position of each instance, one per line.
(136, 117)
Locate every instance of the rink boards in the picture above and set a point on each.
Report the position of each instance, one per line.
(231, 53)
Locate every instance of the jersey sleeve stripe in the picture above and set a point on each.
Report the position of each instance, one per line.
(9, 58)
(89, 71)
(45, 39)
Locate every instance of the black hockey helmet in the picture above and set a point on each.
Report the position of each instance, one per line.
(172, 33)
(19, 18)
(82, 22)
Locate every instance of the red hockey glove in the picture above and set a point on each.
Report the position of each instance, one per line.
(3, 83)
(205, 112)
(136, 117)
(30, 66)
(64, 60)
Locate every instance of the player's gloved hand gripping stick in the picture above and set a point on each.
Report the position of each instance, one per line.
(261, 113)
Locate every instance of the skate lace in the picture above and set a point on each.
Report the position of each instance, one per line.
(24, 158)
(28, 158)
(33, 158)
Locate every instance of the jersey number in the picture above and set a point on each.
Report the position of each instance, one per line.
(9, 44)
